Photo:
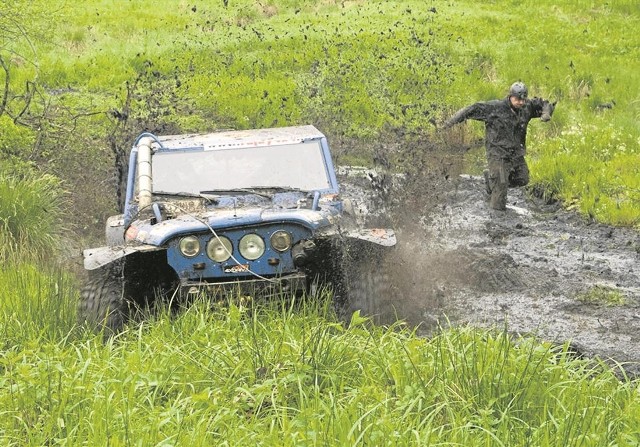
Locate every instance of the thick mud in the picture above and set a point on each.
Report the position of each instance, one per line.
(535, 269)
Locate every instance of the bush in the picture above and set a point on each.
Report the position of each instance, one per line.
(30, 214)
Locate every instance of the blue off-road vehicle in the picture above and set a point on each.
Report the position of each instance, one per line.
(254, 212)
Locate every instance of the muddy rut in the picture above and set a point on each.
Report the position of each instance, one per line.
(529, 269)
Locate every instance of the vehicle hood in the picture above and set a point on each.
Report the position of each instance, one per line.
(146, 232)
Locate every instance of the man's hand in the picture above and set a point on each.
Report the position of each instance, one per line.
(446, 125)
(547, 110)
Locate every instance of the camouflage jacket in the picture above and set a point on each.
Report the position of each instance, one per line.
(505, 127)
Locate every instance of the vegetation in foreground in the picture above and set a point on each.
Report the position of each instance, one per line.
(284, 373)
(289, 374)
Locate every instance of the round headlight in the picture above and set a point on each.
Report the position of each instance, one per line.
(251, 246)
(189, 246)
(219, 249)
(281, 240)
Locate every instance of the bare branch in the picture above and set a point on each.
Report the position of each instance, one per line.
(5, 93)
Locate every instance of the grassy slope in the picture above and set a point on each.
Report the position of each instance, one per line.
(357, 69)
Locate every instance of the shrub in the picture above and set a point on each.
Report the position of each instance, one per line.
(30, 214)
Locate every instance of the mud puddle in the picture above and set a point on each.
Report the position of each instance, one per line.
(535, 269)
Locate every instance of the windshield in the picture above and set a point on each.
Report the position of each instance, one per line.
(298, 166)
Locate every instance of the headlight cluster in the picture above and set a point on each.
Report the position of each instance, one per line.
(251, 246)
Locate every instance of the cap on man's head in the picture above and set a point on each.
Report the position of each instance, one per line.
(519, 90)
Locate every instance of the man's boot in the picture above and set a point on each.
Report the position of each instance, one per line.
(487, 185)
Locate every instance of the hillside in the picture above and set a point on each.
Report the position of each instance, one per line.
(84, 79)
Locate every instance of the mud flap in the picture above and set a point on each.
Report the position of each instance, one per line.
(99, 257)
(379, 236)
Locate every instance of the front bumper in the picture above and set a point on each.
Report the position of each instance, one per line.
(254, 287)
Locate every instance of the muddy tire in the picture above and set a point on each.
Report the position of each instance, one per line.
(365, 286)
(126, 289)
(370, 291)
(103, 301)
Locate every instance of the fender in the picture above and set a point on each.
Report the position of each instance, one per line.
(379, 236)
(95, 258)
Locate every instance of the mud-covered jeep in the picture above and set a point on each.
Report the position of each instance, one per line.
(255, 212)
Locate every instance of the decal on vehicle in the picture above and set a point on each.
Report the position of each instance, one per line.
(239, 268)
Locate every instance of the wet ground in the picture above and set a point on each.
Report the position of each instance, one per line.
(535, 269)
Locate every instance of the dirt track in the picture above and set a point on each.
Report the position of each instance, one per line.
(524, 269)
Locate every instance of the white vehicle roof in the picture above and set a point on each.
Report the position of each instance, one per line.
(236, 139)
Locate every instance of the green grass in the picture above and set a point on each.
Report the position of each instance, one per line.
(277, 375)
(605, 295)
(270, 374)
(36, 303)
(31, 214)
(362, 71)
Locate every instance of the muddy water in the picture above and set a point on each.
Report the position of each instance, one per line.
(527, 269)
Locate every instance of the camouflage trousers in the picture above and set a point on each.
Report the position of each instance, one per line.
(503, 174)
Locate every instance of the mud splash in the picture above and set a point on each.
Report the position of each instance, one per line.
(526, 270)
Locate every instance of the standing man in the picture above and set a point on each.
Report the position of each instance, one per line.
(506, 122)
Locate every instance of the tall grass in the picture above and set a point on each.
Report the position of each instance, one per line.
(36, 303)
(275, 375)
(38, 295)
(31, 215)
(593, 168)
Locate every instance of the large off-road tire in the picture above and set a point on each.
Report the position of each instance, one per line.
(369, 292)
(103, 300)
(125, 289)
(364, 284)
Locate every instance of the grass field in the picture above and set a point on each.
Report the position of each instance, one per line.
(94, 74)
(362, 71)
